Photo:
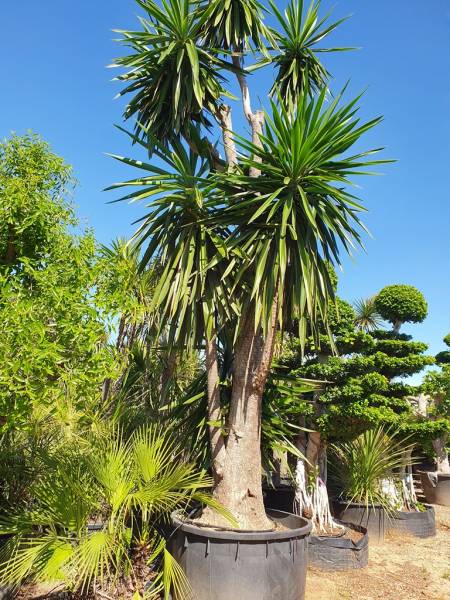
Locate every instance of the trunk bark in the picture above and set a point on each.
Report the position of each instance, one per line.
(238, 468)
(226, 125)
(442, 461)
(216, 437)
(240, 488)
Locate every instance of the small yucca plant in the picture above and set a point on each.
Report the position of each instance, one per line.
(366, 465)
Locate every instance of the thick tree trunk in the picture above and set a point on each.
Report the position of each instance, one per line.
(240, 488)
(237, 468)
(442, 461)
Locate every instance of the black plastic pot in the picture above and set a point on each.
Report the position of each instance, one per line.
(372, 518)
(339, 553)
(419, 524)
(436, 487)
(244, 565)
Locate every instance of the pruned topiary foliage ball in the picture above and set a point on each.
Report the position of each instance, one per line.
(401, 303)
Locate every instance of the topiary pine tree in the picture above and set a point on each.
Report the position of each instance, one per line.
(443, 357)
(364, 384)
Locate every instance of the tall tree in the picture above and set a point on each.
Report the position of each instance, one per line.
(244, 239)
(54, 342)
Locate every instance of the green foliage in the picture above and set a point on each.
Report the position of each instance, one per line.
(288, 221)
(54, 341)
(232, 24)
(401, 303)
(443, 357)
(362, 389)
(181, 234)
(173, 77)
(366, 316)
(363, 464)
(295, 57)
(33, 209)
(437, 384)
(97, 509)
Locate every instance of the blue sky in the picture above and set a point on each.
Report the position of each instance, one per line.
(54, 81)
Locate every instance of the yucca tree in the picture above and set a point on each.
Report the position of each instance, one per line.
(296, 51)
(247, 239)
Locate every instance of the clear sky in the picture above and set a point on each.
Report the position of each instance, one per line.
(53, 58)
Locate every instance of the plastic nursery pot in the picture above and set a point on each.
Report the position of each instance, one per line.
(436, 487)
(255, 565)
(372, 518)
(421, 524)
(339, 553)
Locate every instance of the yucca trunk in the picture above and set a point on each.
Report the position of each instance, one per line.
(240, 488)
(236, 456)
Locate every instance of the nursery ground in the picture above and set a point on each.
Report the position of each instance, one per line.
(403, 568)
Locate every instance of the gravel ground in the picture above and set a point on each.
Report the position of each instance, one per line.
(403, 568)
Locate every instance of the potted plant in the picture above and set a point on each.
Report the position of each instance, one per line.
(436, 426)
(243, 236)
(333, 545)
(375, 494)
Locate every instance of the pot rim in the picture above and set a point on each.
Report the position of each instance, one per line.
(246, 536)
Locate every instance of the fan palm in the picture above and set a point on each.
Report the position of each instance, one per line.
(94, 512)
(367, 318)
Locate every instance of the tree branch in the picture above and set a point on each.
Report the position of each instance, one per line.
(245, 91)
(224, 117)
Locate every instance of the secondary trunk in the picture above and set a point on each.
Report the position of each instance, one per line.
(442, 462)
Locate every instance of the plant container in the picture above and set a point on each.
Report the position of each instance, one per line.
(334, 553)
(244, 565)
(373, 518)
(436, 487)
(421, 524)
